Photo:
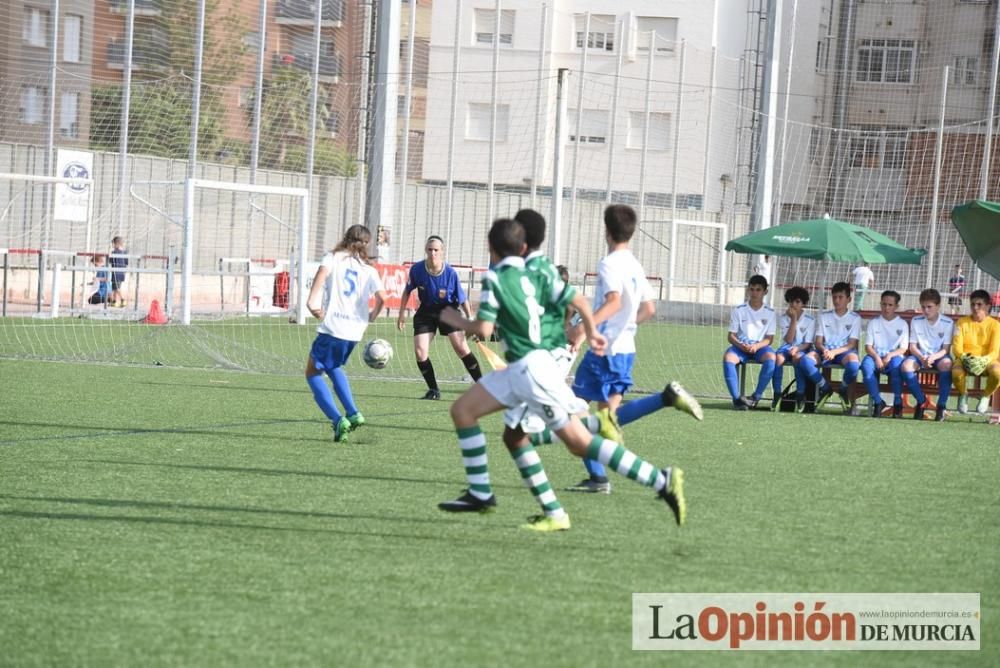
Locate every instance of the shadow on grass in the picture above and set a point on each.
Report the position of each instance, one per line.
(171, 505)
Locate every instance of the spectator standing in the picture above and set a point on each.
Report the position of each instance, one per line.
(956, 290)
(863, 280)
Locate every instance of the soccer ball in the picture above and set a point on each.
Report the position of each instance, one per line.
(377, 353)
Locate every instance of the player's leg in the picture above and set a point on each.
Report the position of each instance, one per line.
(320, 355)
(778, 376)
(870, 377)
(958, 380)
(475, 403)
(732, 358)
(423, 333)
(590, 384)
(765, 356)
(992, 374)
(892, 369)
(811, 368)
(342, 388)
(944, 367)
(553, 517)
(461, 347)
(908, 375)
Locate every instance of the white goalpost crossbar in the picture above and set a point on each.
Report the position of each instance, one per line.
(191, 185)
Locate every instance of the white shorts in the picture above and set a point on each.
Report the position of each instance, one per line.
(535, 385)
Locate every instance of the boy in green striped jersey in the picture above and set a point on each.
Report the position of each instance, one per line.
(514, 301)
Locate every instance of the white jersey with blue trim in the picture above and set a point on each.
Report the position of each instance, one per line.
(350, 283)
(837, 330)
(621, 272)
(931, 337)
(887, 335)
(752, 326)
(805, 329)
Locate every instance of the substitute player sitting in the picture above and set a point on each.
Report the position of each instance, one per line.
(930, 344)
(797, 329)
(751, 331)
(514, 300)
(837, 335)
(976, 349)
(886, 341)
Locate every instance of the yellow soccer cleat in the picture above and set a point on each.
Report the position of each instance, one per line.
(544, 523)
(675, 395)
(608, 426)
(673, 493)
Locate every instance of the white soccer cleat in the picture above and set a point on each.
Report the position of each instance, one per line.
(963, 404)
(984, 406)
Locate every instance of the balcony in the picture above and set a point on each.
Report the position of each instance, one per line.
(329, 65)
(143, 57)
(142, 7)
(302, 12)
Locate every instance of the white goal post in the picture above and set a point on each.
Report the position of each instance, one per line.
(191, 185)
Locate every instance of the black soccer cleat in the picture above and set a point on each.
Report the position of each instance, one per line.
(432, 394)
(469, 503)
(939, 414)
(824, 394)
(897, 410)
(877, 409)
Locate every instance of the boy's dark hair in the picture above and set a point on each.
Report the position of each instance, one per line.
(980, 294)
(506, 237)
(891, 293)
(116, 240)
(841, 287)
(563, 273)
(100, 256)
(796, 292)
(534, 227)
(930, 295)
(757, 279)
(619, 221)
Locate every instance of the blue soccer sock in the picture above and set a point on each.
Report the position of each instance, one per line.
(777, 379)
(944, 385)
(896, 383)
(870, 377)
(732, 379)
(850, 374)
(343, 390)
(800, 381)
(911, 382)
(638, 408)
(766, 373)
(595, 468)
(324, 397)
(812, 372)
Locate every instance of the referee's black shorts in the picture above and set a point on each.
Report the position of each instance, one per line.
(428, 321)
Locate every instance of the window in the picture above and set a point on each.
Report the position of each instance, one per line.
(400, 105)
(69, 124)
(602, 32)
(878, 148)
(72, 28)
(36, 26)
(593, 127)
(665, 29)
(815, 140)
(965, 71)
(32, 104)
(333, 122)
(886, 60)
(822, 55)
(477, 125)
(659, 130)
(251, 40)
(245, 97)
(486, 24)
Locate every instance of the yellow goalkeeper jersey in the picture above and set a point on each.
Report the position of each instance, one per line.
(976, 338)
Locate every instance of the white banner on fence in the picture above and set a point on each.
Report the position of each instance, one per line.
(71, 199)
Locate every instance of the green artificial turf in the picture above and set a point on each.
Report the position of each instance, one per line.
(162, 516)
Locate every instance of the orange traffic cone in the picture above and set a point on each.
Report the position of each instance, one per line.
(156, 315)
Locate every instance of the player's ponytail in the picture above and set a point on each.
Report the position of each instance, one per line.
(355, 242)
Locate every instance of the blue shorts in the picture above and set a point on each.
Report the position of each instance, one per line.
(329, 352)
(785, 350)
(744, 356)
(920, 365)
(839, 359)
(599, 377)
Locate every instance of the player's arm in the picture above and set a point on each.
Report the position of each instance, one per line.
(958, 344)
(612, 304)
(646, 311)
(403, 300)
(453, 318)
(589, 324)
(380, 298)
(993, 353)
(314, 303)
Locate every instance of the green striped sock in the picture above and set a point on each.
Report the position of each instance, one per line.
(473, 444)
(543, 437)
(625, 462)
(591, 422)
(530, 466)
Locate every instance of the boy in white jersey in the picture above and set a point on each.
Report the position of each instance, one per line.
(797, 330)
(837, 335)
(343, 283)
(887, 339)
(751, 331)
(930, 348)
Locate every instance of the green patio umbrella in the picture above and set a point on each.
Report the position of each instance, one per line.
(978, 223)
(826, 239)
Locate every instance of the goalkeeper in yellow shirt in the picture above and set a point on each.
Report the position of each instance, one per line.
(976, 349)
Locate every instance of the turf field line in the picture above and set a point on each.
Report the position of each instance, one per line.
(139, 431)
